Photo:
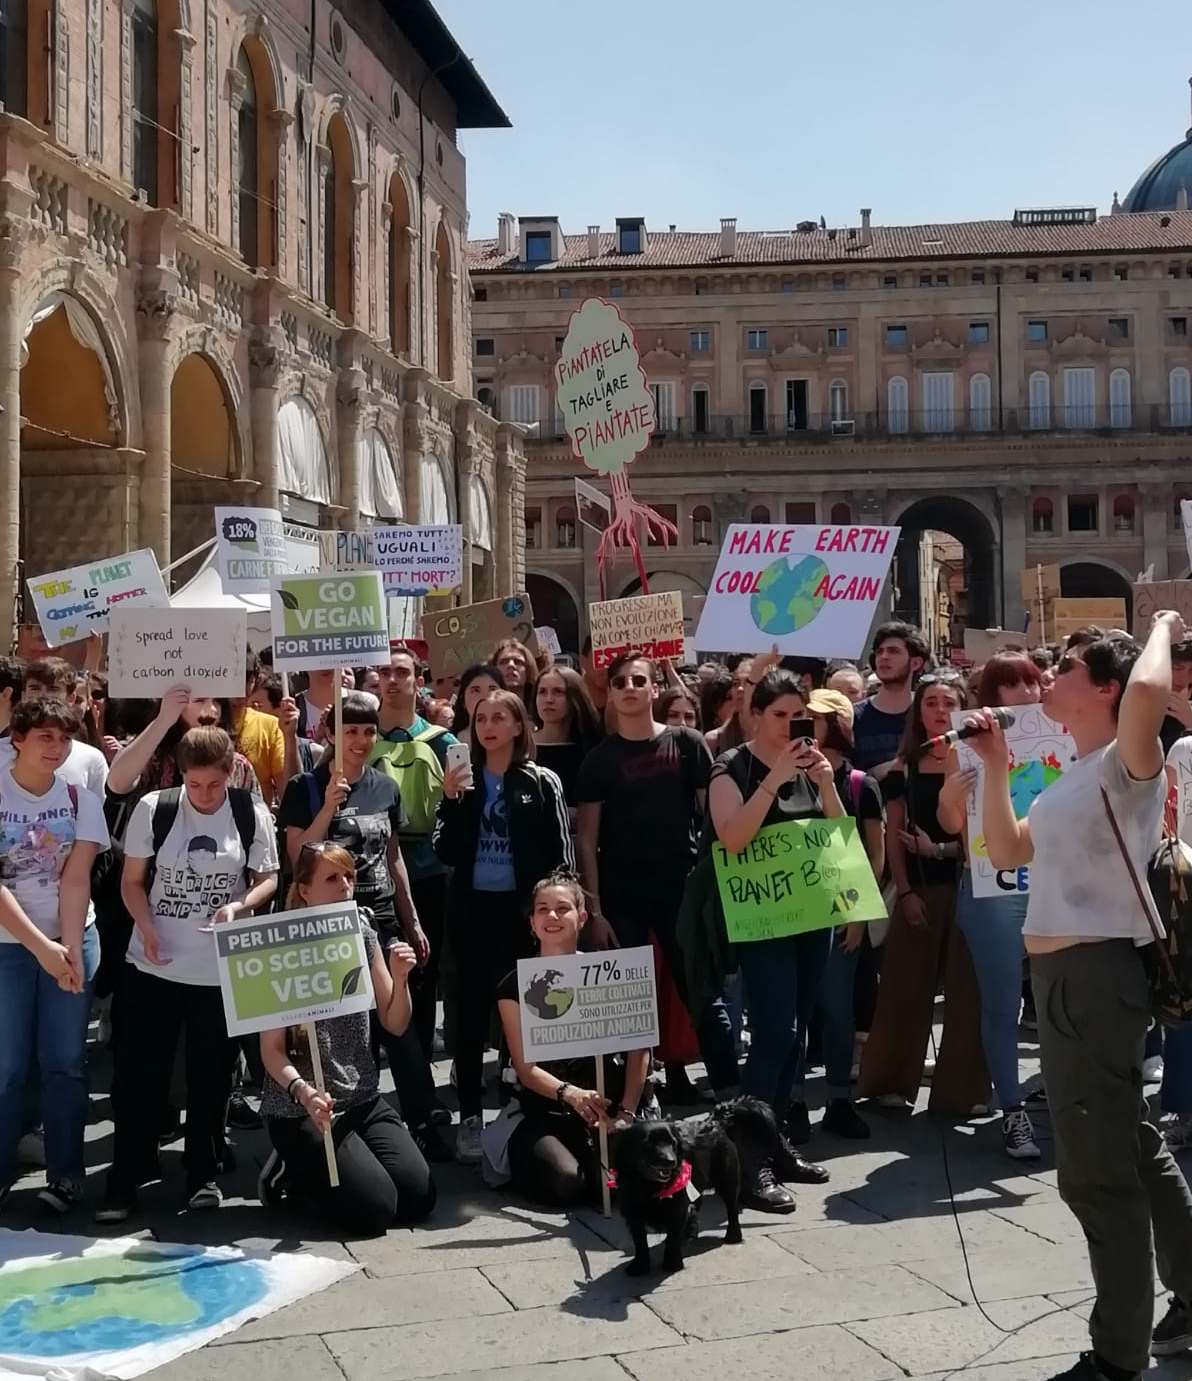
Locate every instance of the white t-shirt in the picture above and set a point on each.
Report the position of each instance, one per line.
(199, 869)
(1179, 759)
(37, 834)
(85, 767)
(1080, 885)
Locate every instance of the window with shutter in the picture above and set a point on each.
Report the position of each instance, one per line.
(937, 401)
(1039, 401)
(1080, 397)
(1119, 398)
(980, 403)
(897, 406)
(1179, 396)
(523, 404)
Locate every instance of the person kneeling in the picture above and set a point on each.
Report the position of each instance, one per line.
(383, 1178)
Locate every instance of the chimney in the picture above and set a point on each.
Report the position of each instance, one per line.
(505, 232)
(593, 242)
(728, 236)
(866, 231)
(1181, 196)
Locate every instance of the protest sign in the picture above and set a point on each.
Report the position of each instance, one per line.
(812, 590)
(593, 508)
(1179, 761)
(420, 560)
(982, 643)
(1073, 614)
(601, 389)
(548, 641)
(329, 619)
(250, 548)
(1153, 596)
(1186, 518)
(455, 638)
(292, 968)
(1040, 590)
(1041, 751)
(302, 549)
(346, 550)
(588, 1004)
(72, 603)
(798, 876)
(150, 651)
(650, 624)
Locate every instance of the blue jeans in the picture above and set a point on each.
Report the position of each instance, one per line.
(38, 1021)
(782, 978)
(992, 926)
(838, 1020)
(1175, 1095)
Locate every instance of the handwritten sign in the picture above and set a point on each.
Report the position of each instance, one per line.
(1074, 614)
(812, 590)
(250, 548)
(548, 641)
(1179, 761)
(346, 550)
(982, 643)
(329, 619)
(600, 385)
(1041, 751)
(798, 876)
(1152, 596)
(294, 967)
(420, 560)
(302, 549)
(650, 624)
(72, 603)
(456, 638)
(588, 1004)
(150, 651)
(1186, 518)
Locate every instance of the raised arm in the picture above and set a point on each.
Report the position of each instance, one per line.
(1145, 700)
(132, 760)
(1007, 839)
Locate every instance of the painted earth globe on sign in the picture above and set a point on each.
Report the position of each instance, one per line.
(546, 998)
(785, 599)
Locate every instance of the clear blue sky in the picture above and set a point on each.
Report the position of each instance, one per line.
(777, 111)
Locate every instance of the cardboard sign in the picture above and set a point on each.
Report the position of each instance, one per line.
(594, 509)
(346, 550)
(1044, 582)
(72, 603)
(456, 638)
(601, 389)
(250, 548)
(1153, 596)
(330, 619)
(798, 876)
(1041, 751)
(649, 624)
(982, 643)
(150, 651)
(812, 590)
(588, 1004)
(420, 560)
(294, 967)
(1179, 761)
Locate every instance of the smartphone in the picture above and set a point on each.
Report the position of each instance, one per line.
(460, 755)
(803, 730)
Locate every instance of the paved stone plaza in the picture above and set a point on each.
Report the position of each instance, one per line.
(865, 1282)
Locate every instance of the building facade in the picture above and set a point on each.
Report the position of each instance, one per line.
(1022, 386)
(232, 270)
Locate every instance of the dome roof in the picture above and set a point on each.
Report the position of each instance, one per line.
(1158, 187)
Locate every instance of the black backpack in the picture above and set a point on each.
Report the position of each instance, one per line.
(165, 812)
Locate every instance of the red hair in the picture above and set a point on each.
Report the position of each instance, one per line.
(1006, 669)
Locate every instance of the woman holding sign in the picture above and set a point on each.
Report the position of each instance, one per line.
(383, 1177)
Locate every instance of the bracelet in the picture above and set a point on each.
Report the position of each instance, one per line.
(908, 893)
(559, 1094)
(297, 1079)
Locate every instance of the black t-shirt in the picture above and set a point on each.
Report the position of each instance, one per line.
(1170, 732)
(564, 760)
(922, 800)
(649, 817)
(867, 804)
(794, 800)
(876, 735)
(363, 825)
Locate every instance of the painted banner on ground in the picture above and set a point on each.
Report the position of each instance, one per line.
(1153, 596)
(294, 967)
(798, 876)
(150, 651)
(329, 619)
(588, 1004)
(810, 589)
(72, 603)
(250, 549)
(420, 560)
(455, 638)
(650, 624)
(76, 1308)
(1041, 751)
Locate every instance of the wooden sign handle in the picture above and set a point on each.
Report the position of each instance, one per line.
(316, 1064)
(602, 1137)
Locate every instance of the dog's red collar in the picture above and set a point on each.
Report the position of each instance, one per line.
(679, 1183)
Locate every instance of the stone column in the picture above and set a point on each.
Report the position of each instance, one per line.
(318, 290)
(1156, 511)
(155, 311)
(384, 324)
(349, 416)
(359, 203)
(237, 90)
(370, 239)
(185, 146)
(412, 249)
(11, 239)
(416, 441)
(265, 356)
(468, 461)
(1012, 506)
(281, 120)
(509, 565)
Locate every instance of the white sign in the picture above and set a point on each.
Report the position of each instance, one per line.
(1186, 515)
(1041, 751)
(588, 1004)
(1179, 761)
(548, 640)
(420, 560)
(302, 549)
(150, 651)
(812, 590)
(329, 619)
(72, 603)
(650, 624)
(250, 548)
(595, 509)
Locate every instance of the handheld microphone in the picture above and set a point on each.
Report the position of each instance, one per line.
(1003, 716)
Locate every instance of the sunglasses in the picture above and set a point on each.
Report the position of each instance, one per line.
(941, 678)
(316, 846)
(637, 681)
(99, 695)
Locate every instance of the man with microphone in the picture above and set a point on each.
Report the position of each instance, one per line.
(1086, 932)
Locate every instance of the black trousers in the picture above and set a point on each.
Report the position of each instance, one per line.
(554, 1161)
(383, 1179)
(154, 1014)
(430, 899)
(408, 1061)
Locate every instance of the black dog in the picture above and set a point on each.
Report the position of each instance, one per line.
(664, 1168)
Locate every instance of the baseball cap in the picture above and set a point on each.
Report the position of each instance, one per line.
(831, 702)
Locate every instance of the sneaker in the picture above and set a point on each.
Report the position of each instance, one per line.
(271, 1189)
(31, 1150)
(794, 1168)
(764, 1193)
(61, 1196)
(650, 1109)
(928, 1071)
(116, 1206)
(892, 1100)
(1037, 1098)
(242, 1115)
(434, 1149)
(439, 1115)
(1086, 1369)
(679, 1091)
(1177, 1130)
(980, 1110)
(172, 1129)
(1173, 1333)
(842, 1119)
(797, 1127)
(1018, 1136)
(1152, 1069)
(467, 1141)
(207, 1195)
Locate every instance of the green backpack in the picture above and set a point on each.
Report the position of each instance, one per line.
(416, 769)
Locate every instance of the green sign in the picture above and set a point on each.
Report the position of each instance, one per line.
(291, 968)
(794, 877)
(329, 619)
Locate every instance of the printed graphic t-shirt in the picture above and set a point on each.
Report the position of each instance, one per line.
(37, 834)
(493, 869)
(199, 869)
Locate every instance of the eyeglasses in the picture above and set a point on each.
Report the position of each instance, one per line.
(941, 678)
(637, 681)
(316, 846)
